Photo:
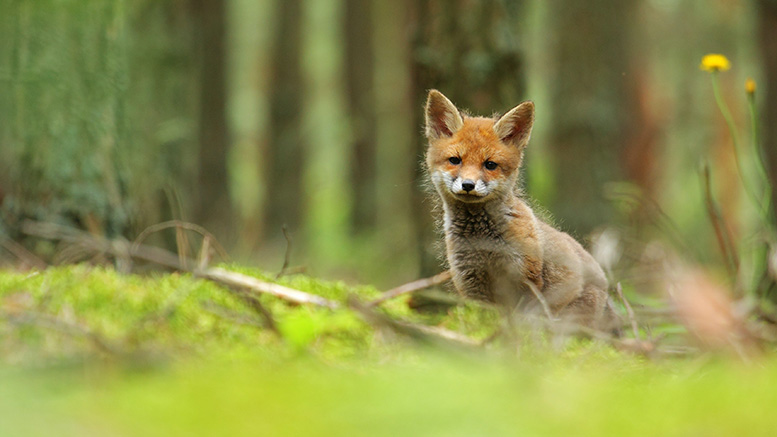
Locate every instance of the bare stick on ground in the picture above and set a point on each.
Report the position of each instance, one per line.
(424, 333)
(410, 287)
(168, 259)
(629, 311)
(234, 279)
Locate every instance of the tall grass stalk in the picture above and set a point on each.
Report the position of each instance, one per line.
(759, 189)
(767, 193)
(735, 140)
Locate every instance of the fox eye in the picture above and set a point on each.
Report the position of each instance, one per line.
(455, 160)
(490, 165)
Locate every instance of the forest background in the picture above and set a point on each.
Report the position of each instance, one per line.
(249, 118)
(257, 140)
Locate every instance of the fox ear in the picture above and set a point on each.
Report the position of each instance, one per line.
(442, 117)
(515, 126)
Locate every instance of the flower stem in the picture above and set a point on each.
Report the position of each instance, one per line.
(726, 243)
(767, 194)
(735, 140)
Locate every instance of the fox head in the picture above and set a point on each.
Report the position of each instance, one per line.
(475, 159)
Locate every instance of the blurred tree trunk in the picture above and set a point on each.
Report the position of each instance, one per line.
(361, 106)
(768, 34)
(252, 28)
(64, 126)
(328, 193)
(285, 157)
(590, 105)
(213, 207)
(471, 52)
(396, 131)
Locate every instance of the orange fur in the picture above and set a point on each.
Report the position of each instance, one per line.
(496, 248)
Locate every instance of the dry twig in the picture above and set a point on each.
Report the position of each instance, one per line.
(542, 301)
(629, 311)
(170, 260)
(181, 225)
(424, 333)
(410, 287)
(234, 279)
(204, 257)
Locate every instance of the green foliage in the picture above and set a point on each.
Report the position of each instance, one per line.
(189, 358)
(155, 312)
(175, 314)
(97, 103)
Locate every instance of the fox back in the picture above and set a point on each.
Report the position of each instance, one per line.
(497, 249)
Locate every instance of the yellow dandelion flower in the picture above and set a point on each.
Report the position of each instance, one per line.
(714, 62)
(750, 85)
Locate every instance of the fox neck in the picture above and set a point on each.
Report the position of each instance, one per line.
(476, 219)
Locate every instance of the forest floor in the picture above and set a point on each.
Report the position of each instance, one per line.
(85, 350)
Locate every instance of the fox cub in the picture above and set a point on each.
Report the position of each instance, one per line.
(496, 247)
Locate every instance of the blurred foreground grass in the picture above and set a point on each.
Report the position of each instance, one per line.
(188, 358)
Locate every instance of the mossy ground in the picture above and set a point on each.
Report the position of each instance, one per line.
(187, 357)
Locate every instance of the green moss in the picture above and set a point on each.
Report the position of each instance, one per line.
(194, 360)
(177, 314)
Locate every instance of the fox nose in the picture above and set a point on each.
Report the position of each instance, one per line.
(467, 185)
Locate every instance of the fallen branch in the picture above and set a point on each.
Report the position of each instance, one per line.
(168, 259)
(423, 333)
(234, 279)
(410, 287)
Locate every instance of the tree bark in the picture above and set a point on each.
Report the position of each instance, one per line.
(361, 104)
(285, 157)
(213, 207)
(590, 105)
(768, 35)
(327, 192)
